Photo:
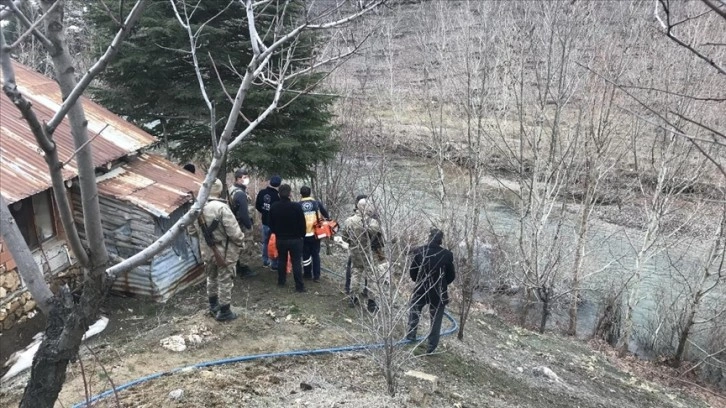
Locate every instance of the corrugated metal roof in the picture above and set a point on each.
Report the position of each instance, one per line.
(23, 171)
(151, 183)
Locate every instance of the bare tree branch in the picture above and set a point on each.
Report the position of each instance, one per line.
(699, 124)
(695, 98)
(661, 117)
(110, 14)
(253, 124)
(668, 27)
(23, 257)
(51, 154)
(84, 145)
(687, 19)
(13, 6)
(6, 10)
(721, 12)
(30, 29)
(99, 66)
(669, 129)
(296, 31)
(219, 78)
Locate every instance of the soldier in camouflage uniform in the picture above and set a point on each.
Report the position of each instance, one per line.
(358, 231)
(229, 241)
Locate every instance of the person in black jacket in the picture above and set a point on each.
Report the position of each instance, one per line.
(287, 222)
(432, 269)
(263, 203)
(238, 200)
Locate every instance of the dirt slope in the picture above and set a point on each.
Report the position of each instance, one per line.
(493, 367)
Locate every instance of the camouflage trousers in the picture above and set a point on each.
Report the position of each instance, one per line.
(362, 278)
(244, 253)
(219, 282)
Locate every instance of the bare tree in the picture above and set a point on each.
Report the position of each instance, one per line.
(600, 153)
(460, 84)
(545, 151)
(69, 318)
(677, 166)
(388, 281)
(711, 277)
(384, 313)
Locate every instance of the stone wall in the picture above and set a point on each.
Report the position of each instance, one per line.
(16, 303)
(13, 299)
(17, 309)
(9, 281)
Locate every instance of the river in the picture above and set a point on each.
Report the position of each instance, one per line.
(610, 251)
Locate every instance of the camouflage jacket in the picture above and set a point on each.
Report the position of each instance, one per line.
(359, 231)
(228, 236)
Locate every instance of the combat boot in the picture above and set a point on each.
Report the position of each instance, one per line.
(225, 314)
(213, 305)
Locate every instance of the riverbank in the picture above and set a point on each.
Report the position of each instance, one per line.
(496, 365)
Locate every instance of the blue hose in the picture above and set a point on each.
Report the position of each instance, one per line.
(239, 359)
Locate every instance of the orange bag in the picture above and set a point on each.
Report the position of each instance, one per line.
(273, 254)
(272, 247)
(326, 228)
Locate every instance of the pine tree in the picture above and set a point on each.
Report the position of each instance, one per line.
(152, 83)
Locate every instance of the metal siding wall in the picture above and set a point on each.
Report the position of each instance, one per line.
(136, 282)
(128, 230)
(174, 271)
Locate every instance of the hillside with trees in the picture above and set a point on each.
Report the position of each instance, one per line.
(572, 152)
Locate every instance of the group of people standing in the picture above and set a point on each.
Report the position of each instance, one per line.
(226, 227)
(293, 224)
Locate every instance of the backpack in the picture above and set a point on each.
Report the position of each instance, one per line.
(230, 198)
(233, 203)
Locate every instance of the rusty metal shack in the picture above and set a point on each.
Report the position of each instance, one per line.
(141, 196)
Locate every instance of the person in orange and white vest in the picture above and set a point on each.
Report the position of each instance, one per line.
(314, 211)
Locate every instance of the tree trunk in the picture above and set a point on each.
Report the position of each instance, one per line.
(627, 323)
(67, 323)
(683, 337)
(390, 369)
(467, 297)
(577, 264)
(49, 364)
(65, 76)
(526, 306)
(28, 269)
(222, 173)
(69, 318)
(545, 293)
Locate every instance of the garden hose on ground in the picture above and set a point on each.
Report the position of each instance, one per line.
(239, 359)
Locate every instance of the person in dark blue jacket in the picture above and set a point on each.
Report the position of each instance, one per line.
(432, 269)
(238, 200)
(263, 203)
(239, 204)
